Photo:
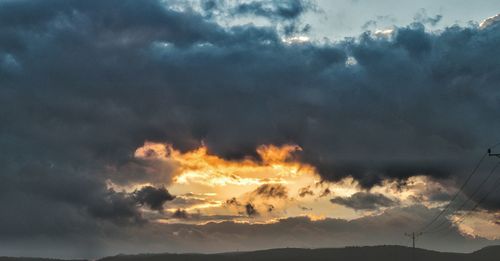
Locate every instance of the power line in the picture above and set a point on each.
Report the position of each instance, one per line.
(496, 183)
(478, 203)
(469, 198)
(424, 229)
(495, 145)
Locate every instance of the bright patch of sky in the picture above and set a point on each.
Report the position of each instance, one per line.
(348, 18)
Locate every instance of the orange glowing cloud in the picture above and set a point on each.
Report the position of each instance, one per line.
(248, 180)
(198, 166)
(276, 186)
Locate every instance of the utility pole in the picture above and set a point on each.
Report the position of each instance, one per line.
(413, 237)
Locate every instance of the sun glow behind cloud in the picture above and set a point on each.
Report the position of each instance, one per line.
(199, 167)
(209, 178)
(277, 185)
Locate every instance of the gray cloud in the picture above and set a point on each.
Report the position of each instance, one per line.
(186, 201)
(305, 208)
(135, 171)
(325, 193)
(271, 191)
(180, 214)
(379, 19)
(283, 14)
(118, 207)
(265, 192)
(364, 201)
(233, 202)
(250, 209)
(291, 232)
(424, 18)
(306, 191)
(152, 197)
(281, 10)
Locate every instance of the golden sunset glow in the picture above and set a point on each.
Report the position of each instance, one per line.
(211, 181)
(211, 188)
(199, 167)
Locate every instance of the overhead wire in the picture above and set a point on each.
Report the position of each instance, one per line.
(478, 203)
(469, 198)
(428, 225)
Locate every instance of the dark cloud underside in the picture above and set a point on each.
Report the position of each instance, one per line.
(364, 201)
(271, 191)
(153, 197)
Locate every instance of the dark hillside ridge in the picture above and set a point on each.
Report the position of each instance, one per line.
(383, 253)
(5, 258)
(376, 253)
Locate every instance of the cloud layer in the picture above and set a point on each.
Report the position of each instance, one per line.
(83, 84)
(364, 201)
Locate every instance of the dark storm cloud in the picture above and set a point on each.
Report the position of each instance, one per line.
(141, 171)
(290, 232)
(306, 191)
(287, 14)
(302, 232)
(271, 191)
(250, 209)
(118, 207)
(325, 193)
(84, 83)
(364, 201)
(276, 10)
(180, 214)
(152, 197)
(233, 202)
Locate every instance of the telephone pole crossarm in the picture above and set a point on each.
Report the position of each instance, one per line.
(493, 154)
(413, 236)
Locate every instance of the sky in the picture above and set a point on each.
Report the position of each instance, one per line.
(211, 126)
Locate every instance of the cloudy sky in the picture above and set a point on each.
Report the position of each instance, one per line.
(208, 126)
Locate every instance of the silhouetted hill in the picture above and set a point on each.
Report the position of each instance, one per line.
(488, 252)
(384, 253)
(4, 258)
